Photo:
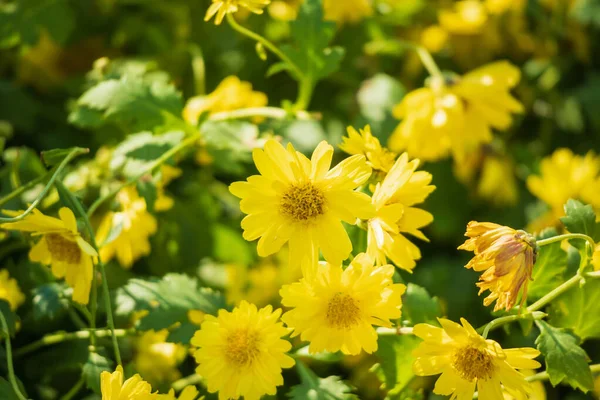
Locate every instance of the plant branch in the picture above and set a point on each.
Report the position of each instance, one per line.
(498, 322)
(575, 280)
(268, 112)
(395, 331)
(26, 187)
(180, 384)
(9, 360)
(566, 236)
(428, 62)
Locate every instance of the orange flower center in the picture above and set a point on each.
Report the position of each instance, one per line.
(242, 347)
(303, 202)
(343, 311)
(472, 363)
(63, 249)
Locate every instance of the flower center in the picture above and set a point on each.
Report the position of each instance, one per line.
(343, 311)
(63, 249)
(302, 202)
(242, 347)
(472, 363)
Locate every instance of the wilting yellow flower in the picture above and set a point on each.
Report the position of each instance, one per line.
(506, 255)
(434, 38)
(351, 11)
(456, 116)
(303, 202)
(156, 359)
(538, 392)
(10, 291)
(467, 18)
(335, 309)
(466, 360)
(378, 157)
(393, 199)
(62, 247)
(113, 387)
(231, 94)
(565, 176)
(124, 234)
(223, 7)
(189, 393)
(241, 353)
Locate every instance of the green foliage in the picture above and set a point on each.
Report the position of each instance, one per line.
(565, 360)
(95, 365)
(56, 156)
(49, 301)
(7, 392)
(549, 269)
(10, 318)
(229, 143)
(580, 218)
(315, 388)
(395, 355)
(579, 310)
(587, 12)
(418, 306)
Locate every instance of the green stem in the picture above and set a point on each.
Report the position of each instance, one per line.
(304, 93)
(395, 331)
(26, 187)
(74, 153)
(543, 376)
(74, 390)
(429, 62)
(254, 36)
(9, 360)
(566, 236)
(60, 337)
(268, 112)
(575, 280)
(498, 322)
(180, 384)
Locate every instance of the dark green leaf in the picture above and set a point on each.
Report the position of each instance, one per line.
(9, 317)
(580, 218)
(53, 16)
(147, 189)
(92, 369)
(230, 143)
(183, 333)
(579, 309)
(55, 156)
(48, 301)
(565, 360)
(419, 307)
(395, 355)
(315, 388)
(549, 269)
(7, 392)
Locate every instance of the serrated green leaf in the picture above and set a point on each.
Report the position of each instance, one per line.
(48, 301)
(549, 269)
(95, 365)
(580, 218)
(565, 360)
(10, 318)
(315, 388)
(579, 309)
(395, 355)
(419, 307)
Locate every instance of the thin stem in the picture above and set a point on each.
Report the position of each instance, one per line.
(26, 187)
(268, 112)
(267, 44)
(9, 360)
(180, 384)
(575, 280)
(304, 93)
(60, 337)
(428, 62)
(74, 390)
(498, 322)
(74, 153)
(109, 314)
(566, 236)
(543, 376)
(395, 331)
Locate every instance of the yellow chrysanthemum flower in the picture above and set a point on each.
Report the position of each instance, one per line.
(133, 224)
(231, 94)
(466, 360)
(456, 116)
(351, 11)
(303, 202)
(467, 18)
(335, 308)
(189, 393)
(113, 388)
(506, 255)
(393, 199)
(10, 291)
(220, 8)
(538, 392)
(61, 247)
(241, 353)
(378, 157)
(156, 359)
(565, 176)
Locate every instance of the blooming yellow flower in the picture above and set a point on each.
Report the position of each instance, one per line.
(10, 291)
(538, 392)
(565, 176)
(231, 94)
(222, 7)
(378, 157)
(156, 359)
(351, 11)
(335, 309)
(62, 247)
(135, 388)
(241, 353)
(393, 199)
(133, 225)
(303, 202)
(506, 255)
(189, 393)
(466, 360)
(456, 115)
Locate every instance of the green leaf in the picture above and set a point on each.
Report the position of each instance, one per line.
(315, 388)
(56, 156)
(7, 392)
(10, 317)
(565, 360)
(549, 269)
(580, 218)
(419, 307)
(95, 365)
(230, 143)
(147, 189)
(395, 355)
(48, 301)
(54, 16)
(579, 309)
(182, 333)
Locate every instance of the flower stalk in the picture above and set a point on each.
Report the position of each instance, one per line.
(9, 360)
(498, 322)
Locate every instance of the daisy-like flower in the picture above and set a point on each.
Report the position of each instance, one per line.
(220, 8)
(350, 11)
(124, 234)
(378, 157)
(466, 360)
(538, 392)
(113, 388)
(241, 353)
(61, 247)
(10, 291)
(393, 199)
(303, 202)
(335, 309)
(189, 393)
(156, 359)
(506, 255)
